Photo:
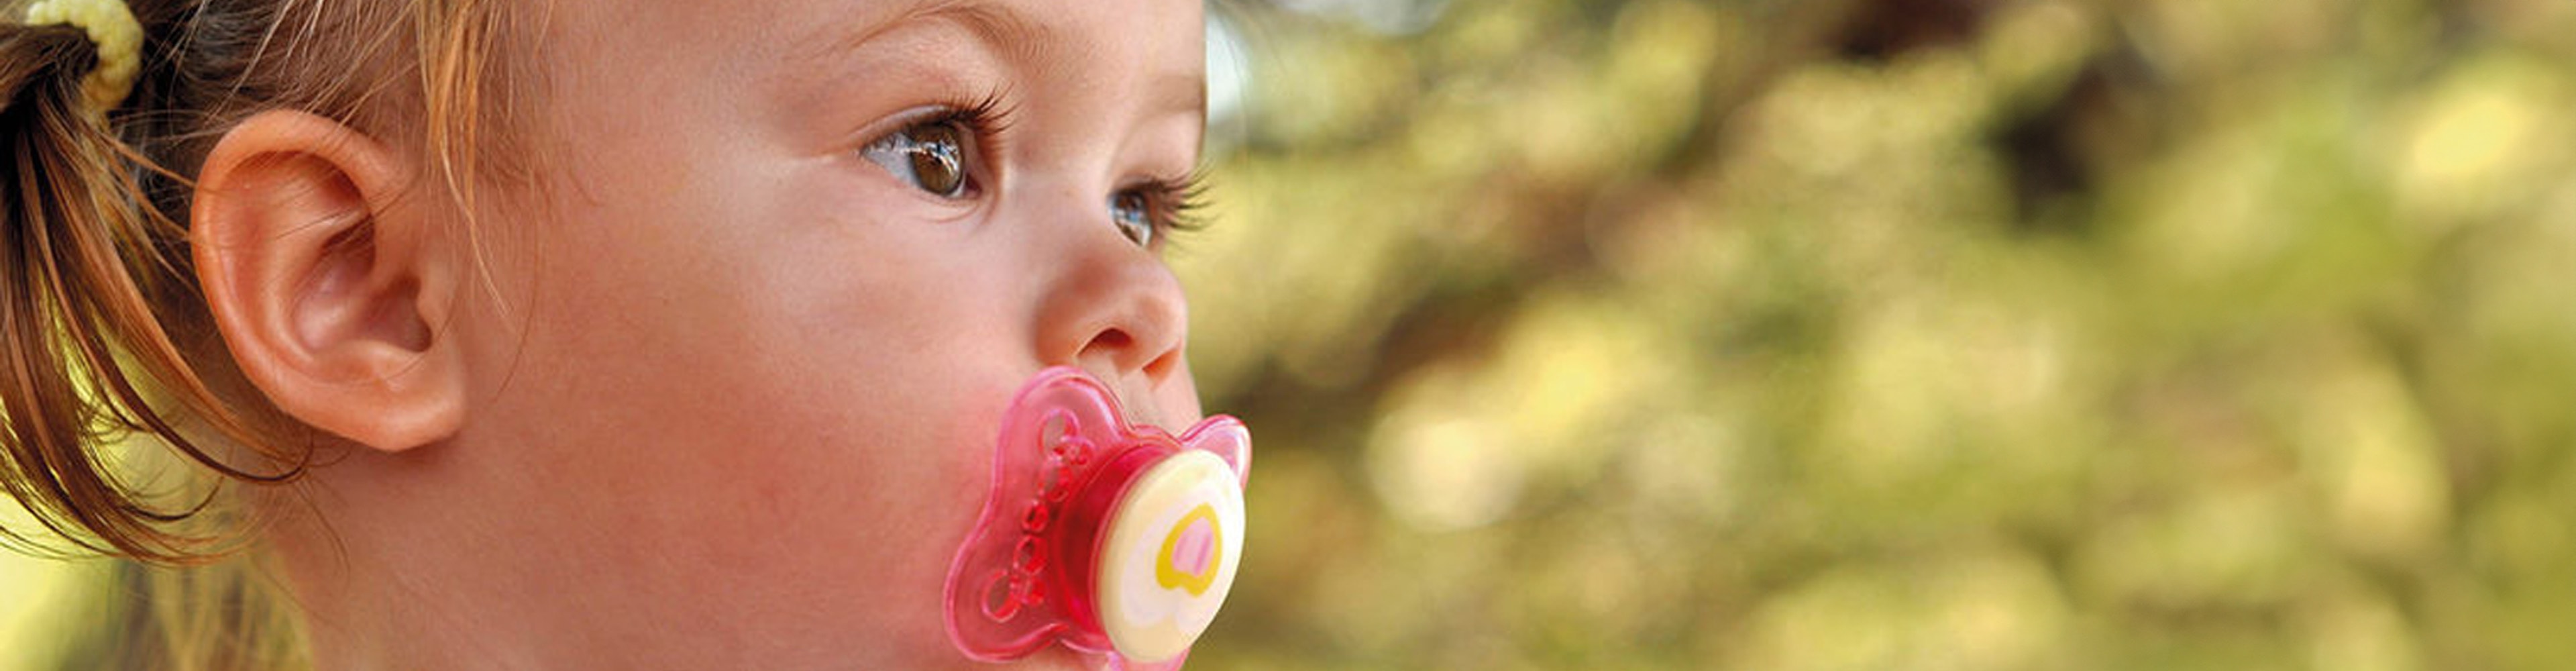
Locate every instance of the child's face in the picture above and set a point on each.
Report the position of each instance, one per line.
(742, 370)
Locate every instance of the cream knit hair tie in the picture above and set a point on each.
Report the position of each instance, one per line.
(113, 32)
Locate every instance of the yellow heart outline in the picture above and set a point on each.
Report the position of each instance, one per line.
(1171, 577)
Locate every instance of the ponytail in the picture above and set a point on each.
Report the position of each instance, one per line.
(95, 280)
(108, 358)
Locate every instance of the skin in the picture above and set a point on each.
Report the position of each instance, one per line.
(720, 392)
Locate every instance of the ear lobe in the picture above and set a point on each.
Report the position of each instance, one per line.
(332, 292)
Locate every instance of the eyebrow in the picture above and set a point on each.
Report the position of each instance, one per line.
(1029, 44)
(1016, 38)
(1001, 29)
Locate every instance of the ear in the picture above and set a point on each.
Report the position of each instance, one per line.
(332, 293)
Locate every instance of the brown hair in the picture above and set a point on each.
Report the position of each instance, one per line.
(105, 344)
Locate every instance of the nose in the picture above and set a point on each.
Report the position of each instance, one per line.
(1114, 310)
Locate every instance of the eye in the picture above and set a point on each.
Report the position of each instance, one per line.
(1132, 211)
(1148, 213)
(931, 155)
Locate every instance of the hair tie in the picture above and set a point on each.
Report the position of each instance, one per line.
(113, 32)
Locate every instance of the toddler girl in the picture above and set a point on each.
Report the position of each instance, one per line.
(600, 334)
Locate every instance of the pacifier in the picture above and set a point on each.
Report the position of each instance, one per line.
(1114, 539)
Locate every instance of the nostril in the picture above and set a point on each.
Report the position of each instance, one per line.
(1110, 341)
(1121, 318)
(1113, 352)
(1161, 367)
(1123, 353)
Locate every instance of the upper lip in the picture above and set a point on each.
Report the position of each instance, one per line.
(1141, 408)
(1136, 400)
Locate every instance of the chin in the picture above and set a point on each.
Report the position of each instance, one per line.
(1060, 658)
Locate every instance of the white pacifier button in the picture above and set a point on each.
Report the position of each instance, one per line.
(1173, 544)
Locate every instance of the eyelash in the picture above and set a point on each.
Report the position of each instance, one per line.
(978, 129)
(1172, 204)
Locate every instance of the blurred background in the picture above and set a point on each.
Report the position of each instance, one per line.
(1883, 334)
(1898, 334)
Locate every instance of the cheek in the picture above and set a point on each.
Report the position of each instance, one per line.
(785, 430)
(827, 501)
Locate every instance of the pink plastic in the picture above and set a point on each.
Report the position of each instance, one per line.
(1024, 578)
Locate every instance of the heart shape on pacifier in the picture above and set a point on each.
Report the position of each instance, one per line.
(1190, 553)
(1109, 537)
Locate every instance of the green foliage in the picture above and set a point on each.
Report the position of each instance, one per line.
(1879, 334)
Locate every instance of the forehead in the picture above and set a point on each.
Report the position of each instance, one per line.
(794, 33)
(1142, 55)
(1055, 40)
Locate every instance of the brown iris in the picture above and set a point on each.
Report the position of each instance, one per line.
(936, 164)
(931, 156)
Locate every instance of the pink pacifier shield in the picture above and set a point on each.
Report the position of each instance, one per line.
(1114, 539)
